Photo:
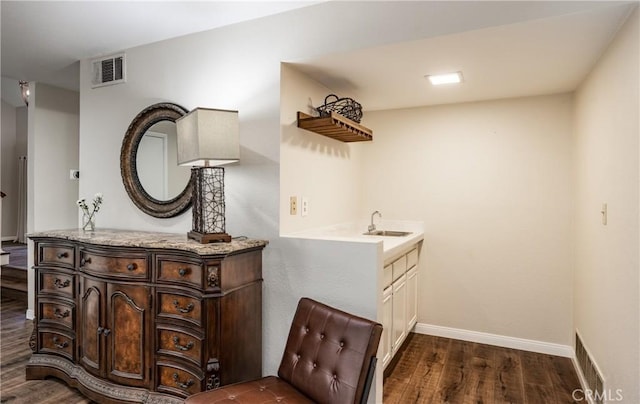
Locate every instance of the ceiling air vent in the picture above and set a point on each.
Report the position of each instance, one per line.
(108, 70)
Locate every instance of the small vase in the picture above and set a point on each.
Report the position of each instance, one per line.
(88, 222)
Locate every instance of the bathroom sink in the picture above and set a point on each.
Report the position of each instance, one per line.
(387, 233)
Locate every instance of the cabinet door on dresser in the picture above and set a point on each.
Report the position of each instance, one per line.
(92, 302)
(115, 328)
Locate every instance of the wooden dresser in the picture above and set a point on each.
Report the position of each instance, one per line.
(145, 317)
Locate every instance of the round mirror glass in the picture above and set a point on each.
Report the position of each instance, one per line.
(157, 162)
(148, 162)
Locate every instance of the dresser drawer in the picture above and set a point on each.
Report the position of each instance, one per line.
(179, 269)
(182, 307)
(57, 283)
(180, 343)
(53, 312)
(178, 380)
(57, 343)
(115, 263)
(54, 254)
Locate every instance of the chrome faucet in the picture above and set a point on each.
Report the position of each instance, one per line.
(372, 227)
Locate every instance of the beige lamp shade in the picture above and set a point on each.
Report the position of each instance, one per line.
(208, 137)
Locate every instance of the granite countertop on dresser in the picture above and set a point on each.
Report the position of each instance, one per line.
(144, 239)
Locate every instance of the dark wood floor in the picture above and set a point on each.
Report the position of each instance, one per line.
(18, 254)
(441, 370)
(429, 370)
(14, 355)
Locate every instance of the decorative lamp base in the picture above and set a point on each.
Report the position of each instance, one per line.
(206, 238)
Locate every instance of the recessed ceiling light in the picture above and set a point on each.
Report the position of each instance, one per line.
(447, 78)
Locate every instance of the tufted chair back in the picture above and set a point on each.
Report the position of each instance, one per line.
(330, 354)
(329, 358)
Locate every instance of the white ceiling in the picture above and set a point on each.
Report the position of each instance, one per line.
(541, 56)
(43, 41)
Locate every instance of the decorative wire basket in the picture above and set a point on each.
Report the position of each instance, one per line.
(346, 107)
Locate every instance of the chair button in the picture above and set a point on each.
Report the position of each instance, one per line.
(341, 343)
(335, 377)
(315, 364)
(321, 336)
(307, 329)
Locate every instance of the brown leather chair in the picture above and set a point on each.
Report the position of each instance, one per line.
(330, 357)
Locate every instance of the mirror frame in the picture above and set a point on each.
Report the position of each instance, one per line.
(128, 163)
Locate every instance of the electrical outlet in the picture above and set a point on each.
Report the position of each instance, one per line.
(74, 174)
(304, 206)
(293, 205)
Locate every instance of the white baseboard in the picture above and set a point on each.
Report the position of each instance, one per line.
(30, 314)
(497, 340)
(8, 238)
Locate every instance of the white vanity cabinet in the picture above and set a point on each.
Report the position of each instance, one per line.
(399, 301)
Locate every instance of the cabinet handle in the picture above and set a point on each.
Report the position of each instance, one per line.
(187, 309)
(186, 385)
(62, 255)
(60, 314)
(132, 267)
(60, 284)
(103, 331)
(57, 343)
(176, 344)
(84, 261)
(182, 272)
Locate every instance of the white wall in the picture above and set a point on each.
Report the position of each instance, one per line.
(492, 183)
(325, 171)
(607, 289)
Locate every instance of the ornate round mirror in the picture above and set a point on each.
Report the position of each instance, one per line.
(148, 162)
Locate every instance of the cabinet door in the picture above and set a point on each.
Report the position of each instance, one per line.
(399, 312)
(412, 297)
(127, 334)
(90, 325)
(387, 325)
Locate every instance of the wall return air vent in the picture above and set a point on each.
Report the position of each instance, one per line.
(108, 70)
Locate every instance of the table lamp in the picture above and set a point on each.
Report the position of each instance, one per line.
(207, 139)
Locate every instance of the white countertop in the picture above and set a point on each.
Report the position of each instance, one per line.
(353, 232)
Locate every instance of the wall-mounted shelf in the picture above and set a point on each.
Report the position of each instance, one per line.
(335, 126)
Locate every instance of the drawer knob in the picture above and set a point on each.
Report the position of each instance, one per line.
(180, 384)
(62, 255)
(176, 344)
(187, 309)
(132, 267)
(57, 344)
(182, 272)
(84, 261)
(60, 314)
(59, 284)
